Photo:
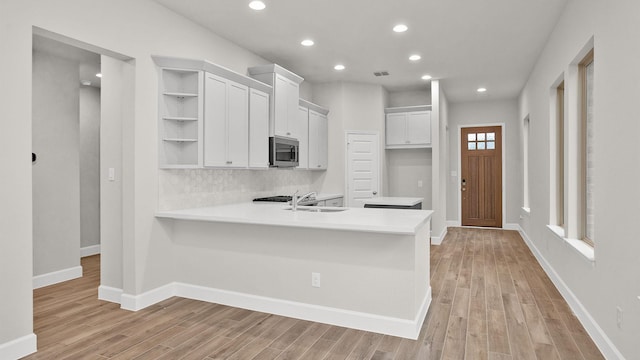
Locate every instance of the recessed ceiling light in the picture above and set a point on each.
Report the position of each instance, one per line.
(339, 67)
(426, 77)
(400, 28)
(481, 90)
(415, 57)
(307, 42)
(257, 5)
(99, 75)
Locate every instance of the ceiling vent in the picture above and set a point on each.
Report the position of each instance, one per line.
(381, 73)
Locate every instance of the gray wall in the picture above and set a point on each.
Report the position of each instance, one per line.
(409, 98)
(612, 280)
(56, 173)
(482, 113)
(89, 166)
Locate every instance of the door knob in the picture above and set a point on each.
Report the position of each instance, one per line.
(375, 193)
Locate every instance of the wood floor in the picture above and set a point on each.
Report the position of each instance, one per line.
(491, 300)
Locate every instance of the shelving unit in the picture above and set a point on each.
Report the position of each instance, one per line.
(181, 111)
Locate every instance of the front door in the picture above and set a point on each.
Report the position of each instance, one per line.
(362, 168)
(481, 176)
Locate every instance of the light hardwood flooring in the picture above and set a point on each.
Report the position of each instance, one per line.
(491, 300)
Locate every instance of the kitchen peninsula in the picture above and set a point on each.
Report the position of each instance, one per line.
(360, 268)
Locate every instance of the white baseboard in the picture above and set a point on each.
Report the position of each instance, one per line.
(57, 277)
(437, 240)
(515, 227)
(139, 302)
(453, 223)
(109, 294)
(594, 330)
(90, 250)
(19, 347)
(352, 319)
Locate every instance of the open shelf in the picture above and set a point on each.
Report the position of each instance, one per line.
(181, 110)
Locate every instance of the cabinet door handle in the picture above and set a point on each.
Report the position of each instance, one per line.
(229, 162)
(288, 133)
(319, 165)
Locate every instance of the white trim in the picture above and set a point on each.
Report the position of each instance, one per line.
(139, 302)
(346, 162)
(20, 347)
(109, 294)
(352, 319)
(596, 333)
(57, 277)
(504, 164)
(587, 251)
(90, 250)
(328, 315)
(437, 240)
(515, 227)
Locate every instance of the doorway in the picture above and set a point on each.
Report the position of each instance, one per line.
(66, 159)
(481, 176)
(362, 167)
(116, 144)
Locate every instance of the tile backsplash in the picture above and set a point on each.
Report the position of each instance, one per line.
(193, 188)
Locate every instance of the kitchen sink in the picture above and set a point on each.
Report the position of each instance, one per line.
(318, 209)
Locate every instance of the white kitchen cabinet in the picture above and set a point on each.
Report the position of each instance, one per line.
(303, 137)
(258, 129)
(408, 127)
(180, 126)
(313, 130)
(226, 123)
(284, 102)
(318, 140)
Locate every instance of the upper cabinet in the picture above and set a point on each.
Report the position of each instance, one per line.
(180, 127)
(408, 127)
(258, 129)
(211, 116)
(284, 110)
(226, 123)
(314, 143)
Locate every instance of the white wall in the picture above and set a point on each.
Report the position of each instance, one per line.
(439, 156)
(89, 166)
(146, 252)
(612, 281)
(352, 106)
(56, 173)
(406, 168)
(482, 113)
(409, 98)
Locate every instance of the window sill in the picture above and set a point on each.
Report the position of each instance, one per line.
(581, 247)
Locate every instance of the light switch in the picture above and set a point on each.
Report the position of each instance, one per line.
(454, 173)
(419, 183)
(112, 174)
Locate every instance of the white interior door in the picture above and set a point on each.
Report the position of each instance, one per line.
(363, 168)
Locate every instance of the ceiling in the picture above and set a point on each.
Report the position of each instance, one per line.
(466, 44)
(88, 62)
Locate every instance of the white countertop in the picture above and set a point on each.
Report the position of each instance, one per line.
(390, 221)
(397, 201)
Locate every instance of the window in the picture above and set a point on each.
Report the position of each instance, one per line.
(560, 174)
(586, 71)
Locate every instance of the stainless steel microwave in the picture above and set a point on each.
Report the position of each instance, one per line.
(283, 152)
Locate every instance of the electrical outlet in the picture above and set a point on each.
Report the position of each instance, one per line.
(619, 317)
(315, 279)
(419, 183)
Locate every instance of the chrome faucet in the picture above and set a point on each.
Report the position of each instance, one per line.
(294, 201)
(308, 196)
